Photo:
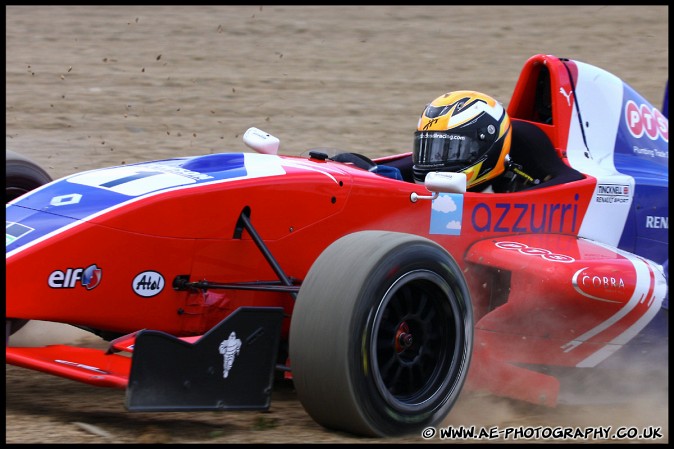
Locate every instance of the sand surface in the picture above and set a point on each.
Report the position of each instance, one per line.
(89, 87)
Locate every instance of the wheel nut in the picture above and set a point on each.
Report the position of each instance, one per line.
(405, 340)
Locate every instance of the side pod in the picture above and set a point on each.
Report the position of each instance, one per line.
(231, 367)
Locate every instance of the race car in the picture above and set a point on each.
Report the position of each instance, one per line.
(380, 297)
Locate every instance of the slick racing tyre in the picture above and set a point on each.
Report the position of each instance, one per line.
(22, 175)
(381, 334)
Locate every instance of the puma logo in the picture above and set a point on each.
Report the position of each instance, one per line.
(568, 96)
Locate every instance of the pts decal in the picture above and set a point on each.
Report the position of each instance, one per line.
(647, 120)
(88, 278)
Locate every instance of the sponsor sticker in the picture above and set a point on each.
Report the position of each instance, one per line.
(538, 252)
(600, 286)
(446, 214)
(229, 349)
(613, 193)
(148, 284)
(644, 120)
(88, 277)
(14, 231)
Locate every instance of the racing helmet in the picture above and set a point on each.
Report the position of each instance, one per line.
(462, 131)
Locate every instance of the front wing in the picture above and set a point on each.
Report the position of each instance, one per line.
(230, 367)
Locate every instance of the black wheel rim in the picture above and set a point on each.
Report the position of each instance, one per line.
(415, 342)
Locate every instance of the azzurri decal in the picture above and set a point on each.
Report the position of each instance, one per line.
(526, 217)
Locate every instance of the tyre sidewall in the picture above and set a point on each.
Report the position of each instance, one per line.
(384, 414)
(22, 175)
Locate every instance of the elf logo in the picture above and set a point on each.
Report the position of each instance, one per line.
(148, 284)
(88, 277)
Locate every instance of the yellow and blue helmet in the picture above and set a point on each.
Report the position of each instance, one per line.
(462, 131)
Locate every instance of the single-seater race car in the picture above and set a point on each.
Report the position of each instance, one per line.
(381, 298)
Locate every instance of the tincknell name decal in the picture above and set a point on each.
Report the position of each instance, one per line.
(613, 193)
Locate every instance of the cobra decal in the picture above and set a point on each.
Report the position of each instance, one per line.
(597, 286)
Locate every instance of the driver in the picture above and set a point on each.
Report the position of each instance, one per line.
(468, 132)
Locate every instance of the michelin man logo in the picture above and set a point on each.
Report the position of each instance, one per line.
(229, 349)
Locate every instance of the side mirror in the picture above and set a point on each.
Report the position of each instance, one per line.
(441, 182)
(446, 182)
(261, 141)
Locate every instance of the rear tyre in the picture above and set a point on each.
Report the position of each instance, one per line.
(22, 175)
(381, 334)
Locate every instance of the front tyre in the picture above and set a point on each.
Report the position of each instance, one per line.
(381, 334)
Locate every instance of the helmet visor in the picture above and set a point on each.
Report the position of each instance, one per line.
(442, 148)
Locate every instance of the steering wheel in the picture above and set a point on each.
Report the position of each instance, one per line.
(356, 159)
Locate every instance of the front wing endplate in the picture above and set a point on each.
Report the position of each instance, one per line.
(231, 367)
